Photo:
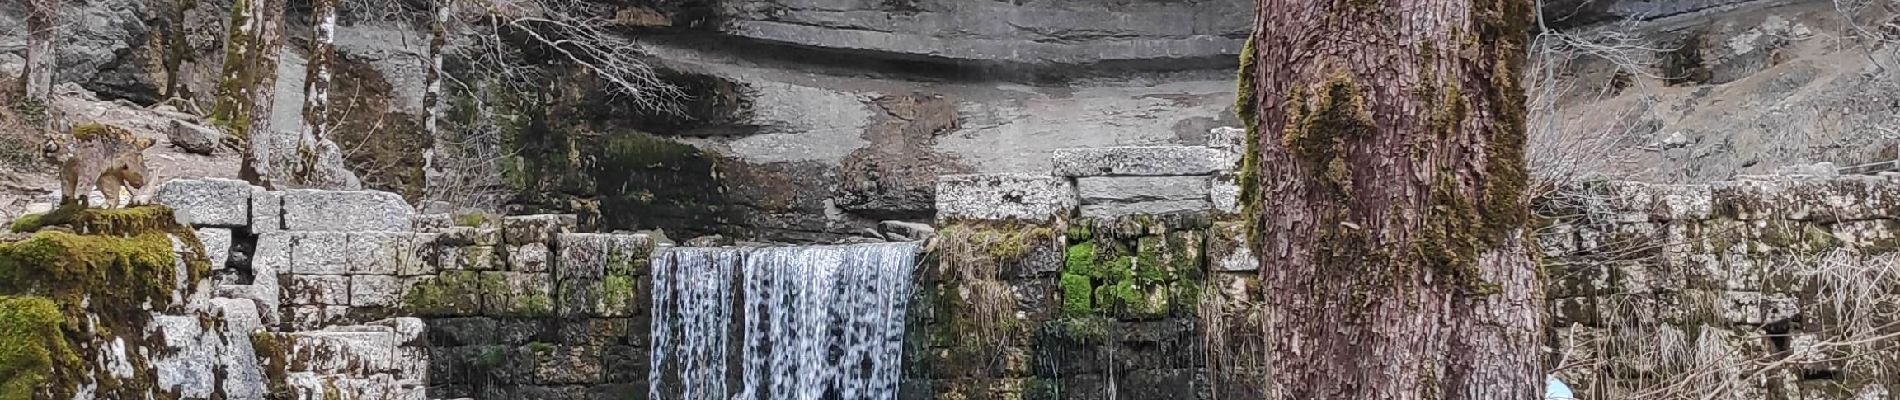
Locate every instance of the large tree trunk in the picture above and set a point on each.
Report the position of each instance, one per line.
(1384, 179)
(42, 25)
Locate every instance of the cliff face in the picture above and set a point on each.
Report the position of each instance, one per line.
(810, 120)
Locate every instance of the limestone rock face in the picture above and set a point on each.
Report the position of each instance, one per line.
(1006, 32)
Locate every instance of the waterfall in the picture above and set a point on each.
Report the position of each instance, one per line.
(810, 323)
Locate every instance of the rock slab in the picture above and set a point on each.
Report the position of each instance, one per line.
(1138, 161)
(366, 210)
(207, 202)
(1003, 196)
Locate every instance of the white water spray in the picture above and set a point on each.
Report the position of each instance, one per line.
(822, 322)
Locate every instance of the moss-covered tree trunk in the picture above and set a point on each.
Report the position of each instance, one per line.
(247, 89)
(1384, 179)
(317, 163)
(42, 26)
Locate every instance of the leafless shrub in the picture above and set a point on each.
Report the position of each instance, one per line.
(1564, 152)
(498, 48)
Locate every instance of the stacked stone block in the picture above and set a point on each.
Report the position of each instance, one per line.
(1117, 181)
(547, 314)
(1111, 279)
(1655, 282)
(383, 360)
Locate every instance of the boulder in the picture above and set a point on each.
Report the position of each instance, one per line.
(194, 138)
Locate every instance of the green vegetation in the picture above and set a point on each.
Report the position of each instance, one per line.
(453, 293)
(91, 279)
(472, 218)
(31, 345)
(1131, 268)
(118, 221)
(27, 223)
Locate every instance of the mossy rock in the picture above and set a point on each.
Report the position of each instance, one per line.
(32, 345)
(63, 291)
(118, 222)
(118, 274)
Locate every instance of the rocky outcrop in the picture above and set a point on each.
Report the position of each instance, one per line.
(1034, 32)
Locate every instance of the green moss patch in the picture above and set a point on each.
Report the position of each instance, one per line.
(32, 345)
(452, 293)
(117, 222)
(64, 292)
(1134, 268)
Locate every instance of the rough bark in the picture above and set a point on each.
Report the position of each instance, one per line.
(1384, 180)
(42, 25)
(247, 90)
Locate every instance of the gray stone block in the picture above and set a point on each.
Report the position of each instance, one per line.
(470, 236)
(1146, 207)
(1135, 189)
(430, 222)
(1224, 192)
(324, 210)
(470, 258)
(217, 243)
(530, 257)
(318, 290)
(524, 294)
(207, 202)
(390, 253)
(566, 365)
(320, 253)
(267, 210)
(541, 228)
(352, 350)
(1003, 196)
(308, 317)
(1138, 161)
(1227, 248)
(374, 290)
(592, 255)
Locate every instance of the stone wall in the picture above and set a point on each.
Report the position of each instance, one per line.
(1756, 288)
(483, 306)
(1115, 277)
(1134, 281)
(1122, 273)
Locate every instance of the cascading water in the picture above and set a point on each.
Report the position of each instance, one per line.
(810, 323)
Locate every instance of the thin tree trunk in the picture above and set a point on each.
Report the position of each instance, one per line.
(1384, 178)
(316, 86)
(42, 25)
(432, 96)
(247, 90)
(438, 42)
